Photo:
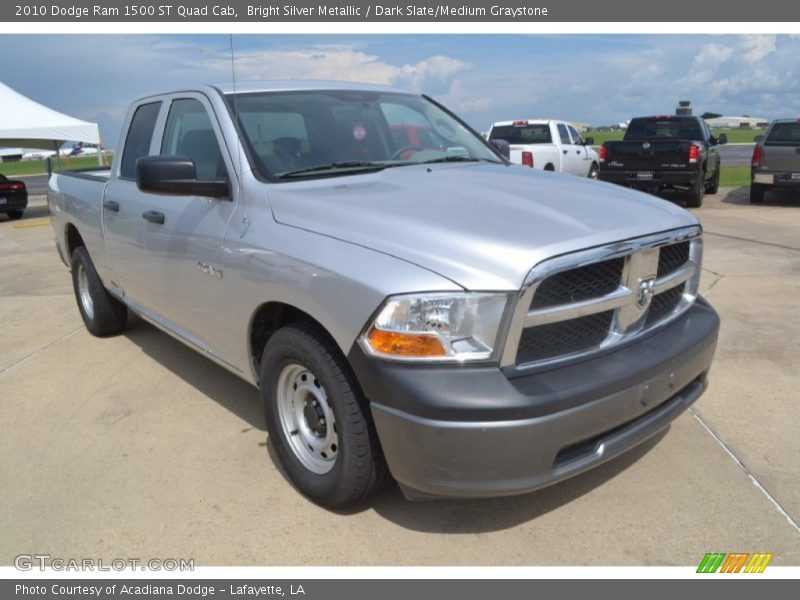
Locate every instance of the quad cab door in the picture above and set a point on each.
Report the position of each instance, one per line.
(583, 162)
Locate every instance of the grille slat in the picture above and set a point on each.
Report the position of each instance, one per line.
(565, 337)
(582, 283)
(671, 258)
(663, 304)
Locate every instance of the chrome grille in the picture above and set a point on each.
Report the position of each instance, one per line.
(578, 304)
(582, 283)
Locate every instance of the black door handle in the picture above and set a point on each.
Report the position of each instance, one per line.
(153, 216)
(111, 205)
(565, 151)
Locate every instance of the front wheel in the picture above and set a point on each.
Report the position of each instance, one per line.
(713, 186)
(13, 215)
(317, 419)
(594, 171)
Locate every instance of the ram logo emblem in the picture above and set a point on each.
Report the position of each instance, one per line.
(645, 292)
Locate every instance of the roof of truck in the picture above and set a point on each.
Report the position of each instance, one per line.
(284, 85)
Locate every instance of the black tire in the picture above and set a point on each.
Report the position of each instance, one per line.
(757, 193)
(358, 469)
(695, 199)
(102, 313)
(594, 171)
(713, 185)
(549, 167)
(13, 215)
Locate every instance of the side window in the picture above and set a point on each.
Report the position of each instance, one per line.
(189, 133)
(563, 134)
(576, 137)
(140, 134)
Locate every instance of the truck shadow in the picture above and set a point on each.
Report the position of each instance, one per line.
(497, 514)
(208, 378)
(741, 196)
(440, 516)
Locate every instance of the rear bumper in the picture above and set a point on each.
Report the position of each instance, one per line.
(776, 179)
(474, 432)
(659, 178)
(14, 202)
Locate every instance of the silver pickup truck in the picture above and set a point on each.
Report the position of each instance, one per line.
(776, 160)
(407, 302)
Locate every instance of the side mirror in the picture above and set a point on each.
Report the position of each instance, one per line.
(722, 139)
(589, 141)
(503, 147)
(175, 175)
(759, 138)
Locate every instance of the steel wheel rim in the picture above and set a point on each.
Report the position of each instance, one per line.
(306, 418)
(83, 292)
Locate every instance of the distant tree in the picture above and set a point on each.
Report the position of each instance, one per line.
(710, 115)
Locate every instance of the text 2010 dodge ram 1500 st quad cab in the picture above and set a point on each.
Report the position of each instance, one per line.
(776, 160)
(477, 328)
(665, 152)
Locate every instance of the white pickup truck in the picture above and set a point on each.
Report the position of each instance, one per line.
(548, 145)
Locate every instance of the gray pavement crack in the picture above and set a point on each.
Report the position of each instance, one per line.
(754, 480)
(751, 241)
(27, 357)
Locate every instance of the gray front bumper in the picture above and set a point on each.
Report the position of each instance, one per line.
(569, 419)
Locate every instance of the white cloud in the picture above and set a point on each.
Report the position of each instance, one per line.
(758, 47)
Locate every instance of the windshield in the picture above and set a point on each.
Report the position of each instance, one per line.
(657, 128)
(522, 134)
(326, 133)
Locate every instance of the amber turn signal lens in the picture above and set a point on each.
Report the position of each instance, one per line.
(405, 344)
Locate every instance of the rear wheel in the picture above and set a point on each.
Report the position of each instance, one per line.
(757, 193)
(319, 422)
(102, 313)
(695, 199)
(13, 215)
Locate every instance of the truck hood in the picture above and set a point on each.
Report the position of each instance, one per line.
(482, 226)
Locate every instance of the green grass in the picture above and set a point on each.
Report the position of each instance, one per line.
(735, 136)
(734, 177)
(35, 167)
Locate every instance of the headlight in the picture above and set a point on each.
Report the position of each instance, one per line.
(436, 327)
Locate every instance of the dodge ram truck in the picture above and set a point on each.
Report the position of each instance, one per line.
(677, 152)
(776, 160)
(548, 145)
(426, 312)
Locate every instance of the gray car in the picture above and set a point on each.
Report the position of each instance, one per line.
(407, 302)
(776, 160)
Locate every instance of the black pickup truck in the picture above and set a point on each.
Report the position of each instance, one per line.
(660, 152)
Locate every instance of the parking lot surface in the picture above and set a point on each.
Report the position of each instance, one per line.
(137, 447)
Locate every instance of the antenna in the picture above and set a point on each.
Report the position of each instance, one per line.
(245, 225)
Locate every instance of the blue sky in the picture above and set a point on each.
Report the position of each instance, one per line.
(596, 79)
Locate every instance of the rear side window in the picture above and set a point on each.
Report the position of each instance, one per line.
(784, 133)
(140, 134)
(563, 134)
(523, 134)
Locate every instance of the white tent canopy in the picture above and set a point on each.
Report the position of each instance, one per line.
(24, 122)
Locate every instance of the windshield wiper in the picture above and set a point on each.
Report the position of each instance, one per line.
(346, 164)
(456, 158)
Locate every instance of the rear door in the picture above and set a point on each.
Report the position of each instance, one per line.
(584, 162)
(570, 159)
(126, 240)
